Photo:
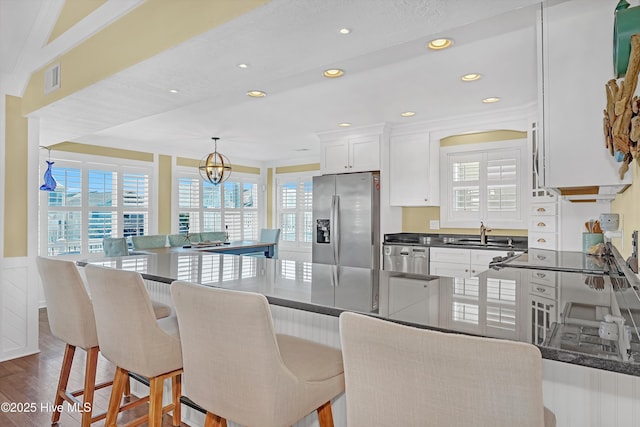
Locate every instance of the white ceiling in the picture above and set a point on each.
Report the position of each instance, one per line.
(288, 43)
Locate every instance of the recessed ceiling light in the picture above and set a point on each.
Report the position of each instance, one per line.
(256, 94)
(344, 31)
(344, 124)
(407, 114)
(470, 77)
(438, 44)
(491, 100)
(174, 90)
(243, 65)
(332, 73)
(302, 149)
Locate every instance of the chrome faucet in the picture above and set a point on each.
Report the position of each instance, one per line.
(483, 233)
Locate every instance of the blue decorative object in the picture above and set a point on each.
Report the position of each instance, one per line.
(49, 181)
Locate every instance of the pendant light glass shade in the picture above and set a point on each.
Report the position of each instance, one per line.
(215, 167)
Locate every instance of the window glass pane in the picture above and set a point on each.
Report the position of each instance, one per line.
(231, 194)
(135, 190)
(499, 170)
(102, 188)
(288, 227)
(308, 227)
(307, 195)
(63, 232)
(466, 199)
(188, 193)
(463, 312)
(135, 224)
(250, 226)
(211, 195)
(212, 221)
(189, 222)
(288, 195)
(250, 195)
(502, 198)
(233, 225)
(101, 224)
(501, 290)
(465, 171)
(67, 191)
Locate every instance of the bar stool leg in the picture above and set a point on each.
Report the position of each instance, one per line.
(155, 401)
(176, 392)
(212, 420)
(65, 370)
(89, 384)
(325, 416)
(120, 379)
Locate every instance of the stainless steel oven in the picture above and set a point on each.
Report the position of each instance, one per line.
(406, 258)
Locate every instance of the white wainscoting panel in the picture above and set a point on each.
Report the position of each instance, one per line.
(18, 298)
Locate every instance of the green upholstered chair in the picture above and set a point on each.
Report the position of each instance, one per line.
(115, 246)
(181, 239)
(149, 242)
(213, 236)
(268, 235)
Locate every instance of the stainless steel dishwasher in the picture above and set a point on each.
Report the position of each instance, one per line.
(406, 258)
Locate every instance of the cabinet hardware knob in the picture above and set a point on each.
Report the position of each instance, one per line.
(345, 166)
(541, 257)
(473, 271)
(542, 224)
(350, 166)
(542, 210)
(541, 240)
(466, 270)
(426, 200)
(541, 289)
(541, 275)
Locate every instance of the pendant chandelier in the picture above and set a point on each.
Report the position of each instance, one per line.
(215, 167)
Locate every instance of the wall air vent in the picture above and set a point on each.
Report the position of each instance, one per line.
(52, 78)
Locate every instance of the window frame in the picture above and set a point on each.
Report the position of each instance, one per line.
(484, 152)
(86, 163)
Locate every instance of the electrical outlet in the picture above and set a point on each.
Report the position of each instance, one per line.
(434, 224)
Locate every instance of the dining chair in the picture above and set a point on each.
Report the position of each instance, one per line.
(149, 242)
(268, 235)
(400, 375)
(181, 239)
(135, 341)
(237, 368)
(115, 246)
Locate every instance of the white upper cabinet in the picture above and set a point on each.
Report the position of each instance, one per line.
(349, 152)
(576, 53)
(413, 170)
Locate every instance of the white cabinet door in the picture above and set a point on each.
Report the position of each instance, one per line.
(335, 157)
(413, 171)
(449, 269)
(364, 154)
(578, 51)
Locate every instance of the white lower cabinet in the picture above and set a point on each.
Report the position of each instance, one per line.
(457, 262)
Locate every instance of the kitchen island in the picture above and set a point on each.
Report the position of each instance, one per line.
(306, 299)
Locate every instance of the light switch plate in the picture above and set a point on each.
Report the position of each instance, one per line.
(434, 224)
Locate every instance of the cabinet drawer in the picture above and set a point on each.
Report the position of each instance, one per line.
(484, 257)
(542, 290)
(543, 209)
(544, 224)
(542, 257)
(458, 256)
(543, 240)
(547, 278)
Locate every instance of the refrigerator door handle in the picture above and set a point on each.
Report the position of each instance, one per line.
(335, 219)
(336, 227)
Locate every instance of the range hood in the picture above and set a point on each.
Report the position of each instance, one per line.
(589, 194)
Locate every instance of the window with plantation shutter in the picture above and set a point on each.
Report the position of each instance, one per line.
(231, 206)
(485, 183)
(93, 201)
(295, 209)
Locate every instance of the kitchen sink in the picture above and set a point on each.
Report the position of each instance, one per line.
(476, 242)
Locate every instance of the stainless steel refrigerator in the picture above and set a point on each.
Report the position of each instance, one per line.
(346, 220)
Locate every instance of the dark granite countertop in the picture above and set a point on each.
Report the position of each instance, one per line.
(541, 307)
(468, 241)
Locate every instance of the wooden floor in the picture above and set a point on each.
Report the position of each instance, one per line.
(33, 379)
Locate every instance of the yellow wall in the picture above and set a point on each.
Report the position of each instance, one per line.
(626, 204)
(15, 184)
(95, 150)
(73, 12)
(152, 27)
(164, 194)
(416, 220)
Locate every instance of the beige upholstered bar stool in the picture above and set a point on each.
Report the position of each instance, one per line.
(133, 340)
(237, 368)
(404, 376)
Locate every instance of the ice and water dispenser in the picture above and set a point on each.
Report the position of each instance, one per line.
(323, 231)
